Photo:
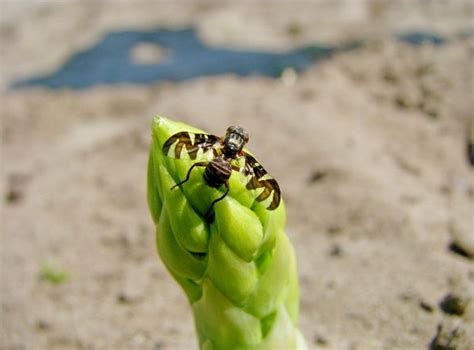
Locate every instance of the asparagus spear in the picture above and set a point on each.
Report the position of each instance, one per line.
(238, 272)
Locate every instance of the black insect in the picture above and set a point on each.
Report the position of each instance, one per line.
(227, 153)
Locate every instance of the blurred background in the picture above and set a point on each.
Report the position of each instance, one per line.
(360, 109)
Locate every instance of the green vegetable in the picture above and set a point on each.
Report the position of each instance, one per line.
(239, 273)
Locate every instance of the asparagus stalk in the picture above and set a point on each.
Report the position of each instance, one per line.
(239, 272)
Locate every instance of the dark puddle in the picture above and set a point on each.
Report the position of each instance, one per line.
(109, 62)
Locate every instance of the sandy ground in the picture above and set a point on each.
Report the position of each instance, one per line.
(368, 148)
